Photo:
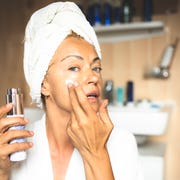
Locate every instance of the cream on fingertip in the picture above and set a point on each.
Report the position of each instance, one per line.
(70, 83)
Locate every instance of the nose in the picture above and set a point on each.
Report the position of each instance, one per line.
(91, 77)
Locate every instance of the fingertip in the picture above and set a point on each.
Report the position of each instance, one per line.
(31, 144)
(9, 105)
(32, 133)
(26, 120)
(104, 104)
(71, 83)
(76, 83)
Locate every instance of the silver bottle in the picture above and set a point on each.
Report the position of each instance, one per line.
(15, 97)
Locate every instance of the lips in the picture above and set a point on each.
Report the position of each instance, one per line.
(92, 95)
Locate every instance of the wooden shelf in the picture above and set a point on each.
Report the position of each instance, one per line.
(130, 31)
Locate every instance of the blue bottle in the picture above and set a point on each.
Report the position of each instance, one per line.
(130, 92)
(116, 12)
(107, 13)
(94, 12)
(148, 8)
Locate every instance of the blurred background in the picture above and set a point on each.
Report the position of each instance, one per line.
(127, 57)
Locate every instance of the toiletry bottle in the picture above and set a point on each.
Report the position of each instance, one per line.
(15, 97)
(108, 91)
(120, 95)
(107, 12)
(116, 12)
(127, 10)
(93, 13)
(130, 92)
(168, 55)
(148, 9)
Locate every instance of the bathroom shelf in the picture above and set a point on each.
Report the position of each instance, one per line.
(124, 32)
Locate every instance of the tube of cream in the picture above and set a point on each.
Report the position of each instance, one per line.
(15, 97)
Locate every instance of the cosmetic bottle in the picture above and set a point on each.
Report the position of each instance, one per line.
(130, 92)
(127, 11)
(15, 97)
(120, 95)
(148, 7)
(93, 13)
(168, 55)
(116, 12)
(108, 91)
(107, 12)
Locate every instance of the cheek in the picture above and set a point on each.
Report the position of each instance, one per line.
(60, 97)
(58, 89)
(100, 85)
(59, 93)
(101, 82)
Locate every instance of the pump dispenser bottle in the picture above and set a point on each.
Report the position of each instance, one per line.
(15, 97)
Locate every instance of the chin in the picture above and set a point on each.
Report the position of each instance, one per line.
(95, 106)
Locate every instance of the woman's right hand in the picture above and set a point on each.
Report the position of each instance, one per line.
(7, 135)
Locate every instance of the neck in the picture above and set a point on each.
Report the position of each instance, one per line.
(60, 145)
(56, 125)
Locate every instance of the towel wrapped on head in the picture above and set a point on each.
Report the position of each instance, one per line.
(45, 31)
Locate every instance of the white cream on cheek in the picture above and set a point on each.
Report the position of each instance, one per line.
(69, 82)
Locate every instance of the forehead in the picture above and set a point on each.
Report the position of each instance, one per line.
(76, 46)
(74, 49)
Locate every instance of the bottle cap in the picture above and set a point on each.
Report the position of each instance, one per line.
(15, 96)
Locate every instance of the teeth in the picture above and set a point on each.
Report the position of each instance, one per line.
(92, 95)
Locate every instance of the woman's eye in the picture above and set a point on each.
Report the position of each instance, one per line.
(74, 69)
(97, 69)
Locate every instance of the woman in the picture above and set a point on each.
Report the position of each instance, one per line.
(75, 139)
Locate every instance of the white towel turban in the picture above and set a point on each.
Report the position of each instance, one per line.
(46, 29)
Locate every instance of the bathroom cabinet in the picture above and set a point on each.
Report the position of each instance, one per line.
(152, 160)
(144, 122)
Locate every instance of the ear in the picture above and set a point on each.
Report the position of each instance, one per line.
(45, 87)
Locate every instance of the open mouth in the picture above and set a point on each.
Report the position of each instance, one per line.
(92, 95)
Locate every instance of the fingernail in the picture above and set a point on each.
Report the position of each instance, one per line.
(30, 144)
(31, 132)
(76, 83)
(69, 82)
(69, 85)
(9, 105)
(26, 120)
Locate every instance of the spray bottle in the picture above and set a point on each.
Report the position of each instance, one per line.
(15, 97)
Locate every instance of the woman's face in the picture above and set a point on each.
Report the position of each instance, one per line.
(75, 60)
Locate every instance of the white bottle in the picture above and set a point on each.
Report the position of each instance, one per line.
(168, 55)
(15, 96)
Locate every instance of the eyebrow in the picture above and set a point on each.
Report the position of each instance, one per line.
(80, 58)
(69, 56)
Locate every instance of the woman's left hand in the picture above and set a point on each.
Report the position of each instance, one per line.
(88, 130)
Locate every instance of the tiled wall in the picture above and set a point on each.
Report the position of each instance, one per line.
(128, 60)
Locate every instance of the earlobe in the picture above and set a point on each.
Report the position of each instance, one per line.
(44, 88)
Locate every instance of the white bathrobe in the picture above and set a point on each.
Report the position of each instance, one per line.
(122, 150)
